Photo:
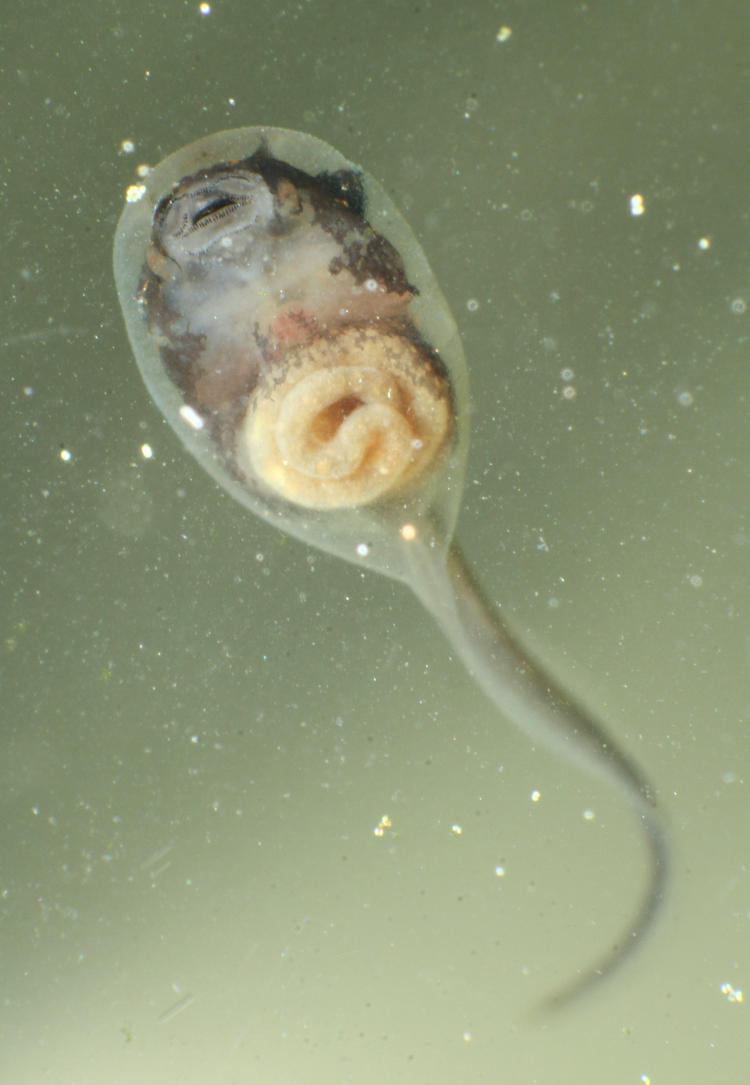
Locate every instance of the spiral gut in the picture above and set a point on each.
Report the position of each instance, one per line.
(353, 417)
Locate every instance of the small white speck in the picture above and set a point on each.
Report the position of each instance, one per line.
(499, 871)
(704, 244)
(363, 549)
(147, 452)
(190, 415)
(589, 815)
(204, 9)
(536, 795)
(456, 830)
(733, 994)
(127, 146)
(65, 455)
(503, 34)
(371, 285)
(637, 206)
(134, 193)
(28, 390)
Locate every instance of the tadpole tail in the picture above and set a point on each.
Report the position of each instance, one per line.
(494, 654)
(633, 935)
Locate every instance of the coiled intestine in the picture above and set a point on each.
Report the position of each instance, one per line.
(347, 418)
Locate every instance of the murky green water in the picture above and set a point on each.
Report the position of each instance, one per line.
(205, 723)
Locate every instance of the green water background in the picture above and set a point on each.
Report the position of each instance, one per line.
(203, 723)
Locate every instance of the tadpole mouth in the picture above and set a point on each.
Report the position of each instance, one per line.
(205, 213)
(215, 209)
